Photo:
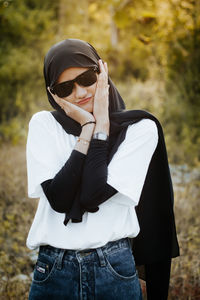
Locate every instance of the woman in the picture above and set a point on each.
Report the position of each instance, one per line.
(91, 163)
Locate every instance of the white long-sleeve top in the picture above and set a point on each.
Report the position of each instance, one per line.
(49, 147)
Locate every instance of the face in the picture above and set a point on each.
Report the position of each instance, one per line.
(82, 96)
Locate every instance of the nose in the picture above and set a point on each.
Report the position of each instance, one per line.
(80, 91)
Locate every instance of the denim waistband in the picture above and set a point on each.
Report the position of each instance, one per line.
(91, 253)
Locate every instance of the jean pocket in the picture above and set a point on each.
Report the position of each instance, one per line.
(44, 269)
(121, 264)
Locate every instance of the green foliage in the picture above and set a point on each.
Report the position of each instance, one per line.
(12, 131)
(25, 26)
(182, 80)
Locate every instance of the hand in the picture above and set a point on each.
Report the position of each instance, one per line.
(73, 111)
(101, 98)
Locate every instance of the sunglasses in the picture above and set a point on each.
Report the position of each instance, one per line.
(65, 88)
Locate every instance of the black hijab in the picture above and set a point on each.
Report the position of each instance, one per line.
(157, 238)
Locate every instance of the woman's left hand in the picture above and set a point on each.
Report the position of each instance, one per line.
(101, 98)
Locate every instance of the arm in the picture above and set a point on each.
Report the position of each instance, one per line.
(64, 185)
(99, 190)
(94, 188)
(129, 166)
(61, 190)
(127, 170)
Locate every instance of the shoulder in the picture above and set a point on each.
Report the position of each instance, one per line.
(139, 120)
(43, 119)
(41, 116)
(42, 124)
(143, 127)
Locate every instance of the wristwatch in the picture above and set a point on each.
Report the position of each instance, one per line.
(100, 136)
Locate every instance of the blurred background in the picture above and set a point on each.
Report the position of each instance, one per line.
(152, 48)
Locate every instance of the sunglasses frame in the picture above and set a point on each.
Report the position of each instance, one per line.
(95, 69)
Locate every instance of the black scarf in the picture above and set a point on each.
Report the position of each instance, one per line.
(157, 238)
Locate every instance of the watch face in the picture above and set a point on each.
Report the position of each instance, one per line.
(100, 136)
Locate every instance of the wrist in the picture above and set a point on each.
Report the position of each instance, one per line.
(102, 126)
(92, 119)
(102, 118)
(87, 123)
(83, 141)
(88, 129)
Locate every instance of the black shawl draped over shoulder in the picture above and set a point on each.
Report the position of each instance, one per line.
(157, 240)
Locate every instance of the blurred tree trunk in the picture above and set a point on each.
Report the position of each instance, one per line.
(61, 18)
(113, 28)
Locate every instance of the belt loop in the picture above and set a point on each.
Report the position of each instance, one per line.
(101, 257)
(129, 241)
(60, 259)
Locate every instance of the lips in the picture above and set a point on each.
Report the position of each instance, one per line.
(85, 100)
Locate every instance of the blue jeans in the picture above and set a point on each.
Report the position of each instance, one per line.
(104, 273)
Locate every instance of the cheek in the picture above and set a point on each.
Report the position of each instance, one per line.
(68, 99)
(92, 89)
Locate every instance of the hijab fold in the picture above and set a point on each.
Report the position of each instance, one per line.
(157, 239)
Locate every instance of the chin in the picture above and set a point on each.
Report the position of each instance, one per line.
(89, 108)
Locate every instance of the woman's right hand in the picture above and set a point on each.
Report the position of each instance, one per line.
(73, 111)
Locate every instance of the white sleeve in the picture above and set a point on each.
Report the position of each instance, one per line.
(40, 153)
(128, 167)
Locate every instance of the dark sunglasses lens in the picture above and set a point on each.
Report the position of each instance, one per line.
(87, 78)
(63, 89)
